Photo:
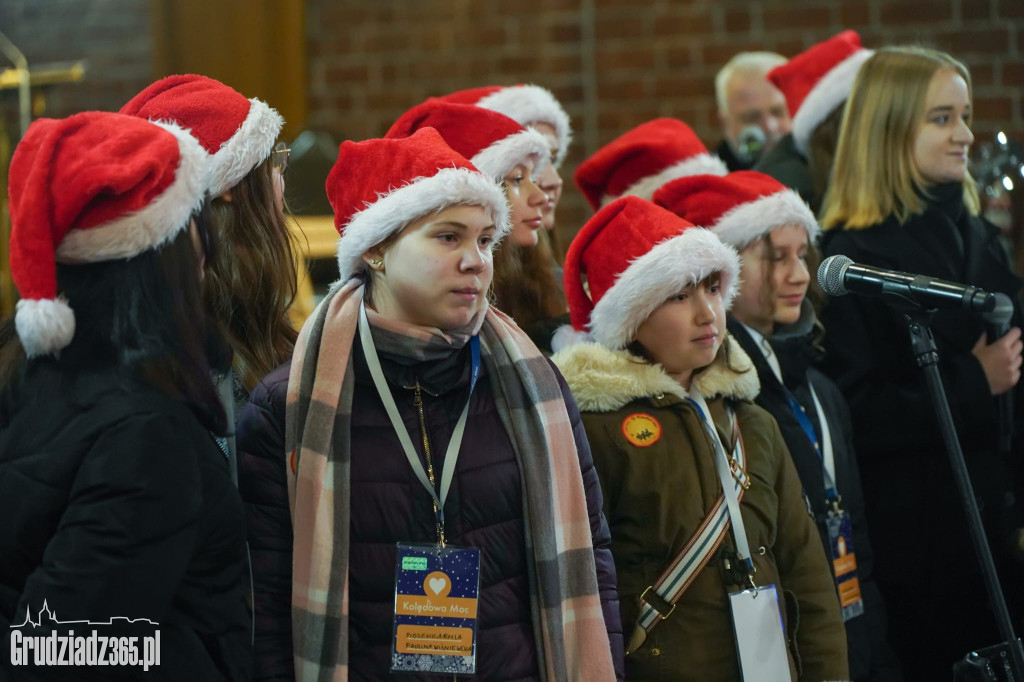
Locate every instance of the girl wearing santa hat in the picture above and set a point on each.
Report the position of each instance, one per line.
(914, 208)
(251, 280)
(702, 498)
(524, 287)
(116, 502)
(816, 84)
(533, 107)
(415, 415)
(774, 322)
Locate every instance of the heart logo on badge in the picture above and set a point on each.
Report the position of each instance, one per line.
(437, 584)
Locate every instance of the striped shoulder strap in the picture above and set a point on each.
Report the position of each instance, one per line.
(659, 600)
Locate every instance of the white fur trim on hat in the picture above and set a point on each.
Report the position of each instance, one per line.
(155, 224)
(656, 276)
(528, 104)
(747, 222)
(701, 164)
(400, 206)
(247, 148)
(502, 156)
(44, 325)
(566, 335)
(827, 94)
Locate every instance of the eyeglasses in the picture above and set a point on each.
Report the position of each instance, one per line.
(280, 156)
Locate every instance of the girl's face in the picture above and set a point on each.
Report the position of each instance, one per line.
(437, 272)
(526, 201)
(549, 181)
(943, 137)
(685, 332)
(774, 279)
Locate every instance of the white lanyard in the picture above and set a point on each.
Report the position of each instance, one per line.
(452, 453)
(728, 486)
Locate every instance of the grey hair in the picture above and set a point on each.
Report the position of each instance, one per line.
(757, 63)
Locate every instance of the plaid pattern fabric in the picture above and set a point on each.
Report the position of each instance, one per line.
(571, 636)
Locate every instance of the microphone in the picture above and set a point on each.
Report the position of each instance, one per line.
(750, 144)
(838, 275)
(997, 320)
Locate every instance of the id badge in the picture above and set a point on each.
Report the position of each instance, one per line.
(436, 595)
(760, 642)
(844, 564)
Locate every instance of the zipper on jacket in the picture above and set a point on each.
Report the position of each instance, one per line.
(417, 402)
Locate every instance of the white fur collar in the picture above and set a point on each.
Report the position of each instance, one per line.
(603, 380)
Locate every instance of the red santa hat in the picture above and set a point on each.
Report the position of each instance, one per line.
(642, 160)
(739, 208)
(237, 133)
(93, 187)
(817, 81)
(377, 187)
(525, 104)
(493, 142)
(635, 256)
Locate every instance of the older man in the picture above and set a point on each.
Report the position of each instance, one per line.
(747, 100)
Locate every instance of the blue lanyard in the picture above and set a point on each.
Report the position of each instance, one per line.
(805, 424)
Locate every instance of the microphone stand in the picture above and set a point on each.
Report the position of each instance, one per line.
(927, 357)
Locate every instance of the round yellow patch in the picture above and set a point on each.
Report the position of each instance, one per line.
(641, 429)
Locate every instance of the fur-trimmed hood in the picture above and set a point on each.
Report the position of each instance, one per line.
(603, 380)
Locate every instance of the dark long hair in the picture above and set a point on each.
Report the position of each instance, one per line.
(525, 285)
(252, 281)
(140, 319)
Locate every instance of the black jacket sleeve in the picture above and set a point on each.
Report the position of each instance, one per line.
(263, 485)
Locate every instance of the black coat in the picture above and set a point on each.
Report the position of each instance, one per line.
(116, 502)
(389, 505)
(732, 162)
(924, 560)
(870, 655)
(787, 165)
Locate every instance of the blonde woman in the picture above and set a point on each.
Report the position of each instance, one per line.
(900, 197)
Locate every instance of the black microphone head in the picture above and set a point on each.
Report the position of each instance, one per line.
(1002, 312)
(830, 275)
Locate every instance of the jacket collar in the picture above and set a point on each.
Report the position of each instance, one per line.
(603, 380)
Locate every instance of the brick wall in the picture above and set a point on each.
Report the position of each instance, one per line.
(617, 63)
(112, 35)
(613, 63)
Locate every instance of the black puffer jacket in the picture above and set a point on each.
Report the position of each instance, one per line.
(389, 505)
(116, 502)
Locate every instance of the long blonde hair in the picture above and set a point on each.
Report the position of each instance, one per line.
(874, 175)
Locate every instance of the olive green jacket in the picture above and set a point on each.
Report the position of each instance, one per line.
(658, 476)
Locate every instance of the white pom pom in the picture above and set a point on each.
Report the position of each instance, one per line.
(566, 336)
(44, 325)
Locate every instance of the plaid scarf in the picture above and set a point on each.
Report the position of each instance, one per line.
(568, 622)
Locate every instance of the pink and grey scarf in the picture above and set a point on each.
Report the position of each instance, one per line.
(571, 636)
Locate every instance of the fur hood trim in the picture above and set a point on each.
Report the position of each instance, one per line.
(603, 380)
